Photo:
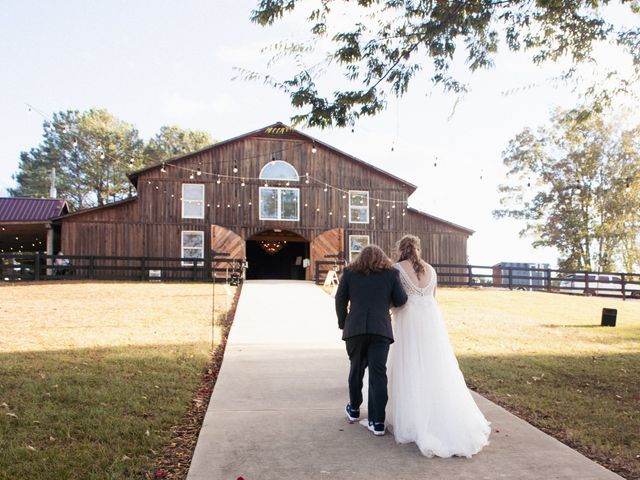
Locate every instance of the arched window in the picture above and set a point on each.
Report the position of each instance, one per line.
(279, 170)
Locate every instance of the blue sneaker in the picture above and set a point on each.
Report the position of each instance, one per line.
(352, 414)
(376, 428)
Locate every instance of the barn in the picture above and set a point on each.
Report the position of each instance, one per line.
(287, 202)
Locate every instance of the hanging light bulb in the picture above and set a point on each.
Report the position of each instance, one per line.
(249, 203)
(102, 156)
(344, 195)
(235, 169)
(208, 205)
(317, 209)
(163, 170)
(191, 176)
(199, 172)
(218, 180)
(242, 184)
(326, 189)
(266, 184)
(314, 149)
(393, 206)
(330, 213)
(157, 187)
(373, 217)
(287, 184)
(218, 206)
(306, 204)
(239, 205)
(377, 204)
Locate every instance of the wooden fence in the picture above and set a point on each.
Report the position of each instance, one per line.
(41, 267)
(620, 284)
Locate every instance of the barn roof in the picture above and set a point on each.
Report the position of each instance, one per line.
(437, 219)
(35, 210)
(133, 176)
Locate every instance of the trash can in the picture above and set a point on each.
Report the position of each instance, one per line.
(609, 317)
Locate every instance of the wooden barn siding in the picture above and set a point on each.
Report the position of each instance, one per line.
(151, 224)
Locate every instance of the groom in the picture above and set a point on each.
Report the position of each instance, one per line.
(369, 287)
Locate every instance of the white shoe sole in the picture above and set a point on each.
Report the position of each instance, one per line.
(372, 430)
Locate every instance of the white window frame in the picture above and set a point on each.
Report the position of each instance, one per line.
(296, 179)
(359, 206)
(351, 252)
(189, 263)
(184, 200)
(279, 205)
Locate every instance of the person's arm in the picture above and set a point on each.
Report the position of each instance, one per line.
(398, 295)
(342, 299)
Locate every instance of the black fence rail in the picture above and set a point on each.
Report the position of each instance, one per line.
(41, 267)
(613, 284)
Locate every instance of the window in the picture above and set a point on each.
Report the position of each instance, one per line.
(279, 170)
(358, 207)
(192, 200)
(192, 247)
(278, 203)
(356, 244)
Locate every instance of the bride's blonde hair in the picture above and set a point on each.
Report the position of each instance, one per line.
(408, 248)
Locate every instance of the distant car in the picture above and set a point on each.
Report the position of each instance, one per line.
(599, 284)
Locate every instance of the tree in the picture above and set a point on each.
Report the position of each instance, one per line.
(91, 151)
(172, 141)
(391, 41)
(576, 184)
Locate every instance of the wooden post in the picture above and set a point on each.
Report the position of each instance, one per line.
(36, 270)
(510, 278)
(548, 277)
(142, 267)
(92, 262)
(470, 274)
(624, 284)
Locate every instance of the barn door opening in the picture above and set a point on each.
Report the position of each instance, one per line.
(276, 254)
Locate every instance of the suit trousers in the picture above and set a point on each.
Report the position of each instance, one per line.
(369, 351)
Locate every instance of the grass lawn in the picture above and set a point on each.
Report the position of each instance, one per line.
(94, 375)
(546, 358)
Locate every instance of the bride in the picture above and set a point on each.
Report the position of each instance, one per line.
(429, 402)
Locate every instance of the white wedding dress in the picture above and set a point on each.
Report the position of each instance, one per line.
(429, 402)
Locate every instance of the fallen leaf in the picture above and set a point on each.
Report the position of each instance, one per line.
(29, 447)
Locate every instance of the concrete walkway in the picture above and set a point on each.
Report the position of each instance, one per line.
(277, 409)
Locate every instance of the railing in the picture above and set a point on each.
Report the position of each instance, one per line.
(615, 284)
(40, 267)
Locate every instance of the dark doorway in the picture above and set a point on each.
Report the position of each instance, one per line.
(276, 255)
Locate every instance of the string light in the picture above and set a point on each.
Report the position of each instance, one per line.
(314, 149)
(218, 180)
(191, 176)
(235, 169)
(242, 184)
(163, 170)
(199, 172)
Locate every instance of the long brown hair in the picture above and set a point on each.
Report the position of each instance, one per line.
(370, 259)
(408, 248)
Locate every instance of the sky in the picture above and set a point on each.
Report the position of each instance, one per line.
(160, 62)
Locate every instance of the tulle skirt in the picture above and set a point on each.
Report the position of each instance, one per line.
(429, 402)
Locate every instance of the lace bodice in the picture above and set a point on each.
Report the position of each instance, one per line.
(411, 289)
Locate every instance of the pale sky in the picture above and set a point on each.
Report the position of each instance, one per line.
(154, 63)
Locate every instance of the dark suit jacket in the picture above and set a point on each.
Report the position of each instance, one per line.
(369, 298)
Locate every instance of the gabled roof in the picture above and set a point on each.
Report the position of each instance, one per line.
(25, 209)
(99, 207)
(450, 224)
(134, 175)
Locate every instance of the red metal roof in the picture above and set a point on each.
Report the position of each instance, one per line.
(23, 209)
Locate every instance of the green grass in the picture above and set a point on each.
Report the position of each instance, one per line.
(545, 357)
(105, 407)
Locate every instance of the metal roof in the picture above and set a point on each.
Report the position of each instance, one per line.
(24, 209)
